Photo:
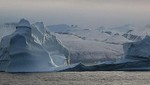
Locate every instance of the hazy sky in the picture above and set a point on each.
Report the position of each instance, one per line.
(92, 13)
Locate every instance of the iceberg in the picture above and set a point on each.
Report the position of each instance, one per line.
(30, 50)
(136, 58)
(138, 50)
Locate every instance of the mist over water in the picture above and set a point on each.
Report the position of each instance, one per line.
(85, 13)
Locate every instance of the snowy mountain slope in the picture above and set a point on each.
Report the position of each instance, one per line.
(20, 53)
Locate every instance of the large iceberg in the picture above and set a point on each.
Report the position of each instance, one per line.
(29, 49)
(136, 58)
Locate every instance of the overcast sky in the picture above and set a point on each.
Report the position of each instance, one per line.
(92, 13)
